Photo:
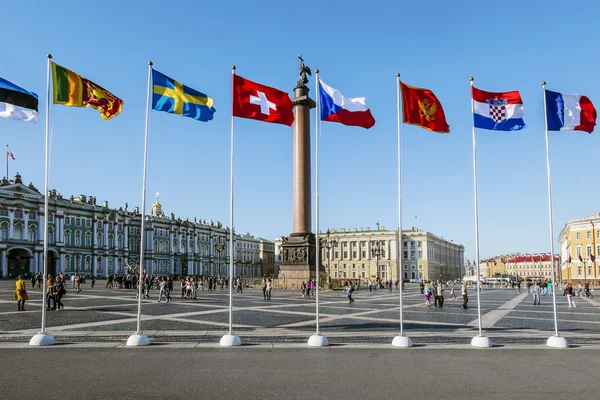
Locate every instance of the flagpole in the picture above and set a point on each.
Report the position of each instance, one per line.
(556, 340)
(479, 340)
(230, 339)
(400, 340)
(138, 338)
(44, 338)
(317, 339)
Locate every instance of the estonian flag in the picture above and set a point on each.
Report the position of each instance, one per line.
(17, 103)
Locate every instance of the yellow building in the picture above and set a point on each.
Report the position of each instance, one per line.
(579, 243)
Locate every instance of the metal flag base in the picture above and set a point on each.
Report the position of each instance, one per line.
(42, 339)
(318, 341)
(402, 341)
(138, 340)
(481, 341)
(230, 341)
(557, 342)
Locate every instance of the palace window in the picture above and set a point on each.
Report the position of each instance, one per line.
(88, 239)
(578, 251)
(99, 225)
(18, 232)
(99, 237)
(588, 235)
(363, 266)
(419, 243)
(77, 238)
(99, 265)
(110, 266)
(120, 242)
(420, 253)
(4, 231)
(420, 267)
(578, 235)
(50, 234)
(88, 223)
(345, 254)
(337, 254)
(111, 241)
(51, 218)
(87, 264)
(32, 232)
(405, 254)
(4, 213)
(77, 221)
(19, 214)
(67, 263)
(354, 254)
(589, 250)
(412, 255)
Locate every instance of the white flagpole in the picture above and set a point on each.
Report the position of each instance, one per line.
(400, 340)
(317, 339)
(479, 340)
(138, 338)
(43, 338)
(556, 340)
(230, 339)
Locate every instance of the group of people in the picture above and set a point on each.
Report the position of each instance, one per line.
(267, 287)
(436, 289)
(308, 288)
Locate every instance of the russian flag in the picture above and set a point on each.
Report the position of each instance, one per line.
(569, 112)
(497, 111)
(347, 111)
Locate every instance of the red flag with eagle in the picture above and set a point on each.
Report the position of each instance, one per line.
(421, 107)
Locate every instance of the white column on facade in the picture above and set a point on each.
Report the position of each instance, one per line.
(179, 247)
(61, 260)
(40, 230)
(105, 236)
(60, 222)
(115, 235)
(34, 265)
(105, 266)
(126, 236)
(3, 265)
(25, 225)
(11, 225)
(95, 233)
(115, 266)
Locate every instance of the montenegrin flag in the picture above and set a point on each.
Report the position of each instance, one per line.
(264, 103)
(497, 111)
(74, 90)
(569, 112)
(17, 103)
(348, 111)
(421, 107)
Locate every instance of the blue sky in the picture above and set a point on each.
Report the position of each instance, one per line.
(358, 48)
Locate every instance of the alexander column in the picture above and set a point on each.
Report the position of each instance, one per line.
(298, 249)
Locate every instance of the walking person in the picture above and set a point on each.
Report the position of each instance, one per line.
(536, 294)
(349, 290)
(58, 291)
(427, 293)
(464, 295)
(93, 280)
(264, 288)
(78, 279)
(32, 281)
(162, 290)
(569, 292)
(49, 296)
(439, 294)
(238, 286)
(269, 288)
(20, 293)
(452, 295)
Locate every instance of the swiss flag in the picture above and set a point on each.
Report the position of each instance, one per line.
(255, 101)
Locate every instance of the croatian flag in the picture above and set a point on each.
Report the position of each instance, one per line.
(497, 111)
(347, 111)
(569, 112)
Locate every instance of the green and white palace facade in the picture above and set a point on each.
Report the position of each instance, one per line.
(95, 239)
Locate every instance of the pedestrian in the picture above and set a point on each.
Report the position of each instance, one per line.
(93, 280)
(238, 286)
(439, 298)
(518, 286)
(162, 290)
(264, 288)
(452, 295)
(39, 279)
(422, 286)
(78, 282)
(426, 292)
(20, 293)
(49, 296)
(349, 290)
(464, 295)
(269, 288)
(536, 294)
(370, 284)
(569, 292)
(58, 291)
(32, 281)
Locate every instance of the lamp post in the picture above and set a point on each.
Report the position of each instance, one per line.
(327, 243)
(376, 250)
(219, 246)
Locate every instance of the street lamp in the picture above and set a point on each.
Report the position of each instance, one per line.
(219, 246)
(327, 243)
(376, 250)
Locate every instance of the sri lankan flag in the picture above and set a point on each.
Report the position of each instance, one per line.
(74, 90)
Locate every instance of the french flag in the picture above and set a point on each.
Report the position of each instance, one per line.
(497, 111)
(569, 112)
(347, 111)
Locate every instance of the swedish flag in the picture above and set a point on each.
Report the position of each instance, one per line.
(173, 97)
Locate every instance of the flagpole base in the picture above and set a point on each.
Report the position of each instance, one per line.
(230, 341)
(317, 340)
(481, 342)
(42, 339)
(402, 341)
(138, 340)
(558, 342)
